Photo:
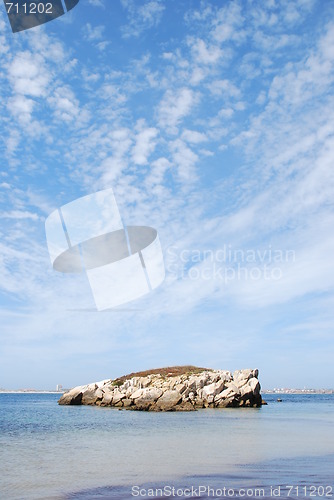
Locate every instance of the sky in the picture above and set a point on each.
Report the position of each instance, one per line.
(212, 121)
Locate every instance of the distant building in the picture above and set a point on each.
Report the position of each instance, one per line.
(59, 388)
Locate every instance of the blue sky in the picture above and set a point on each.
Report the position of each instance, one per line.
(213, 123)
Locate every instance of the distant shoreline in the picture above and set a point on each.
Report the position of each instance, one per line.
(297, 391)
(264, 391)
(30, 392)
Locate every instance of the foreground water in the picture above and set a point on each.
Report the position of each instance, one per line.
(67, 452)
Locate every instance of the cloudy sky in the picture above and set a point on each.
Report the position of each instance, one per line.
(213, 123)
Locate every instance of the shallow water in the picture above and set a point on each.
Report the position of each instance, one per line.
(51, 452)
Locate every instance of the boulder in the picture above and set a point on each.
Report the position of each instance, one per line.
(117, 397)
(107, 399)
(168, 400)
(241, 377)
(226, 394)
(137, 394)
(172, 391)
(102, 384)
(144, 398)
(198, 403)
(89, 397)
(72, 397)
(201, 381)
(213, 389)
(233, 386)
(228, 402)
(251, 388)
(127, 402)
(180, 387)
(184, 406)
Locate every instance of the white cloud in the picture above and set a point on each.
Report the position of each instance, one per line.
(97, 3)
(174, 106)
(224, 87)
(193, 136)
(228, 23)
(113, 93)
(226, 112)
(141, 17)
(103, 45)
(22, 109)
(117, 161)
(144, 146)
(66, 106)
(17, 214)
(93, 33)
(157, 173)
(203, 53)
(185, 160)
(28, 75)
(13, 138)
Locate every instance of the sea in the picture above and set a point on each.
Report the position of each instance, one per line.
(282, 450)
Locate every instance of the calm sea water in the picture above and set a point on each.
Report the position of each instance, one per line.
(67, 452)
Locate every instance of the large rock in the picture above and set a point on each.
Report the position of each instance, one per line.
(144, 398)
(226, 394)
(168, 401)
(117, 397)
(190, 390)
(73, 397)
(107, 399)
(214, 388)
(241, 377)
(250, 393)
(89, 397)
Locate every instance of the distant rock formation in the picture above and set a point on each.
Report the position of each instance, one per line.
(171, 389)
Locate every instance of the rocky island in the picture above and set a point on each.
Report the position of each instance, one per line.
(180, 388)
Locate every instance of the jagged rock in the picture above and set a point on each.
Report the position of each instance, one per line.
(200, 382)
(251, 388)
(72, 397)
(89, 397)
(228, 402)
(117, 397)
(144, 398)
(191, 396)
(168, 400)
(106, 400)
(241, 377)
(127, 402)
(255, 386)
(145, 382)
(198, 403)
(225, 394)
(233, 386)
(102, 383)
(181, 387)
(184, 406)
(137, 394)
(171, 390)
(213, 389)
(250, 393)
